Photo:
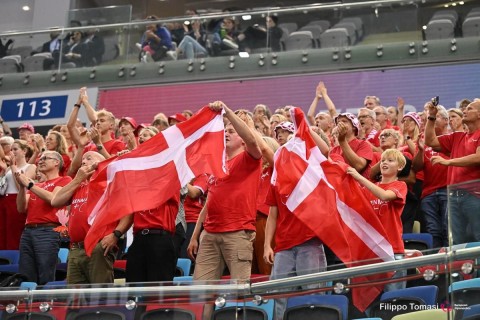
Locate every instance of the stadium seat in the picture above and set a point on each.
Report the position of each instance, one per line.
(299, 40)
(12, 255)
(27, 285)
(168, 314)
(33, 63)
(316, 33)
(418, 241)
(290, 26)
(435, 314)
(351, 30)
(317, 307)
(231, 310)
(63, 255)
(471, 27)
(359, 27)
(406, 300)
(9, 268)
(184, 266)
(471, 313)
(440, 29)
(29, 316)
(451, 15)
(325, 24)
(466, 292)
(335, 37)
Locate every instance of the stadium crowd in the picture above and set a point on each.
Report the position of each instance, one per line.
(239, 224)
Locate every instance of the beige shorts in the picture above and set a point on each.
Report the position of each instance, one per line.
(233, 249)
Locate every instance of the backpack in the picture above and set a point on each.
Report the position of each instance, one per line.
(11, 279)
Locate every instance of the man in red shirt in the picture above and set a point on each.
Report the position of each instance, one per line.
(354, 152)
(229, 215)
(39, 243)
(98, 268)
(100, 138)
(463, 166)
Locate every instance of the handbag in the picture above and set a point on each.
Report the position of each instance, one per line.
(3, 185)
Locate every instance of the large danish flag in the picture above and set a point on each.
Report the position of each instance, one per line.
(332, 204)
(151, 174)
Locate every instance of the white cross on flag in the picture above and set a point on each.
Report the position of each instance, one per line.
(330, 203)
(152, 173)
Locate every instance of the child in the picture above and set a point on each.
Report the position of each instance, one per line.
(388, 199)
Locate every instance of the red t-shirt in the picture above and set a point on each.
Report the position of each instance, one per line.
(290, 231)
(232, 201)
(460, 144)
(77, 223)
(162, 217)
(263, 188)
(390, 212)
(193, 207)
(112, 147)
(40, 211)
(361, 148)
(435, 176)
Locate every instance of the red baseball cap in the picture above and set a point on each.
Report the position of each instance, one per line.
(27, 126)
(130, 120)
(178, 117)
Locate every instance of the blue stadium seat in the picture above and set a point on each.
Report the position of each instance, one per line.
(418, 241)
(9, 268)
(404, 301)
(233, 310)
(472, 313)
(27, 285)
(63, 255)
(317, 307)
(184, 265)
(12, 255)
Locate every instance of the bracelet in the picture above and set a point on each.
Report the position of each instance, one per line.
(432, 118)
(77, 105)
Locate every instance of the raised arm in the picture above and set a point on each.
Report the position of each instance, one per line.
(431, 139)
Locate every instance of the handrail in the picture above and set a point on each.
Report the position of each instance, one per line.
(273, 10)
(243, 289)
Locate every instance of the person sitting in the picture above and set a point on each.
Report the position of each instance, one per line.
(96, 47)
(155, 42)
(75, 51)
(256, 37)
(194, 41)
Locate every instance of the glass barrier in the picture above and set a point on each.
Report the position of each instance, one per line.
(464, 231)
(320, 37)
(365, 290)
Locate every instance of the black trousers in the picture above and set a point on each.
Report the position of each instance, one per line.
(151, 257)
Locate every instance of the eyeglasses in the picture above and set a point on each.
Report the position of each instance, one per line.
(46, 158)
(385, 135)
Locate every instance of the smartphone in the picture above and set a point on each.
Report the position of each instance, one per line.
(435, 101)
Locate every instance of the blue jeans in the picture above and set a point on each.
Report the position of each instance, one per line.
(39, 254)
(190, 47)
(464, 216)
(306, 258)
(397, 275)
(435, 208)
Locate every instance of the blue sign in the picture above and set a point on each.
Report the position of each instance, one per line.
(38, 108)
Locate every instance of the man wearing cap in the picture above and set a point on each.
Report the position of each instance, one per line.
(25, 131)
(463, 166)
(176, 118)
(98, 268)
(39, 243)
(283, 132)
(354, 152)
(127, 128)
(229, 221)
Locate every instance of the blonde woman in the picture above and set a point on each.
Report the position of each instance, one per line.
(55, 141)
(11, 221)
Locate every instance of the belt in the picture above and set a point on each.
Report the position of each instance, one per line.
(77, 245)
(41, 225)
(145, 232)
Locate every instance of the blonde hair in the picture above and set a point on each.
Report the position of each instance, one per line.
(399, 157)
(61, 142)
(272, 144)
(106, 114)
(151, 129)
(25, 147)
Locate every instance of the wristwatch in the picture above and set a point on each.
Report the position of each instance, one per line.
(432, 118)
(117, 234)
(99, 147)
(30, 185)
